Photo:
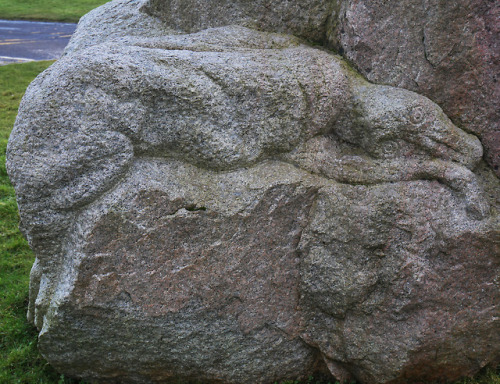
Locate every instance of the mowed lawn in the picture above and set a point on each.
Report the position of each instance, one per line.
(20, 361)
(47, 10)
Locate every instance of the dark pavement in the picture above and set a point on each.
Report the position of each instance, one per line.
(22, 41)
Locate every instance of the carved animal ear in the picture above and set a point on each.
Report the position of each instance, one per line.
(417, 114)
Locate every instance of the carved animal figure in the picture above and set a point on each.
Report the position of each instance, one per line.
(224, 106)
(200, 190)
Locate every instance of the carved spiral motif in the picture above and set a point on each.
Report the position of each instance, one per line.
(417, 115)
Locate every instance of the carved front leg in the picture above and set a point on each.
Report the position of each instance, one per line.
(325, 156)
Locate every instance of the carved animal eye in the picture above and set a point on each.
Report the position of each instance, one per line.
(417, 115)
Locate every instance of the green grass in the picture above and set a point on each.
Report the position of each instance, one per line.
(49, 10)
(20, 361)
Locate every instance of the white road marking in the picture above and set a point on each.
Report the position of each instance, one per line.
(15, 58)
(29, 22)
(18, 42)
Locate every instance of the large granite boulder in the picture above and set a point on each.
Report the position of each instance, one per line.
(212, 202)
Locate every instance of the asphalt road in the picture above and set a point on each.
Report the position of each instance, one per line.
(22, 41)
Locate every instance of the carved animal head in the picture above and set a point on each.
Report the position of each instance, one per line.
(393, 122)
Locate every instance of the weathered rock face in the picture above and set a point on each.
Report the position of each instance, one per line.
(236, 206)
(310, 20)
(446, 50)
(177, 282)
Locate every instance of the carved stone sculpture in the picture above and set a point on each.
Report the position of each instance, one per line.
(212, 202)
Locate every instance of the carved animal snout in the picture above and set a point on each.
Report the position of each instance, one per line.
(411, 122)
(444, 140)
